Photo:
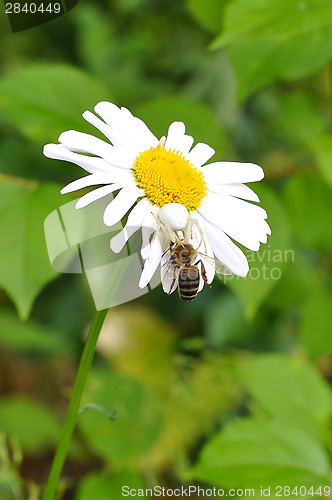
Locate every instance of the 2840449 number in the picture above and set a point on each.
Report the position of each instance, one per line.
(32, 8)
(302, 491)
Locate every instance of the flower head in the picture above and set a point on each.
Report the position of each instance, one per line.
(169, 191)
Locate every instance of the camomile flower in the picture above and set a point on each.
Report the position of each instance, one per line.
(168, 188)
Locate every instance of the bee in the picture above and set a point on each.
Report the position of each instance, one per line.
(184, 269)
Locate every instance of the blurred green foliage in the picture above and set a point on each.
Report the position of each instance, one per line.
(230, 391)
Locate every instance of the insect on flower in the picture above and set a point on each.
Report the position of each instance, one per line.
(185, 269)
(169, 192)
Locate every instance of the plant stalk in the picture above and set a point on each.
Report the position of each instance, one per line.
(74, 406)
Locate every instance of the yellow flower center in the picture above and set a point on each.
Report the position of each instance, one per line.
(167, 177)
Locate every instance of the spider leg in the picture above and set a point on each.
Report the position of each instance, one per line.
(188, 232)
(170, 233)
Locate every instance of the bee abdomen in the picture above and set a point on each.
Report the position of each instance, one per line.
(188, 283)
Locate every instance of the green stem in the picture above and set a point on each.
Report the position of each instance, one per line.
(74, 406)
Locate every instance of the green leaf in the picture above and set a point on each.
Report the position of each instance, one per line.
(298, 117)
(298, 279)
(137, 418)
(276, 39)
(95, 36)
(30, 422)
(316, 324)
(289, 390)
(199, 119)
(208, 13)
(322, 148)
(308, 202)
(213, 82)
(30, 336)
(104, 487)
(251, 454)
(24, 264)
(267, 264)
(225, 322)
(43, 100)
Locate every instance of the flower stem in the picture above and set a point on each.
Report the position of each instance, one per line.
(74, 406)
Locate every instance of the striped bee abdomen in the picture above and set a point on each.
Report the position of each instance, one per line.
(188, 282)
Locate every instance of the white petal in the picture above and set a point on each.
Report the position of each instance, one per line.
(146, 247)
(238, 190)
(88, 180)
(99, 124)
(176, 130)
(149, 225)
(177, 139)
(224, 172)
(152, 261)
(111, 114)
(186, 143)
(226, 251)
(200, 154)
(96, 194)
(121, 176)
(121, 204)
(127, 131)
(201, 281)
(85, 143)
(89, 163)
(241, 220)
(145, 138)
(134, 222)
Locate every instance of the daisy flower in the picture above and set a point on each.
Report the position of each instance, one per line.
(169, 190)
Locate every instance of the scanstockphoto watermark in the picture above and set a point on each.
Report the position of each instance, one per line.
(266, 264)
(262, 491)
(186, 491)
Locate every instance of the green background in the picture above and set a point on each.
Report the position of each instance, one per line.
(233, 390)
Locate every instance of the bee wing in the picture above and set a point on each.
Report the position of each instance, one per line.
(169, 274)
(219, 267)
(222, 268)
